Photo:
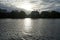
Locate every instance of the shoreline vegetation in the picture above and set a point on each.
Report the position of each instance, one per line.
(34, 14)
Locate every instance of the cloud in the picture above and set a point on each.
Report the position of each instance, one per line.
(47, 4)
(51, 4)
(39, 4)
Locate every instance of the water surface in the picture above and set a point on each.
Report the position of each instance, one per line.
(30, 29)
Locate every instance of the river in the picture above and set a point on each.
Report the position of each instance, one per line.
(29, 29)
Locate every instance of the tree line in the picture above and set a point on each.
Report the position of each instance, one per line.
(33, 14)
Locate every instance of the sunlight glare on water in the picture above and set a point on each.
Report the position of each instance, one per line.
(27, 26)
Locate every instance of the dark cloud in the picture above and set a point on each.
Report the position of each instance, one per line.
(51, 4)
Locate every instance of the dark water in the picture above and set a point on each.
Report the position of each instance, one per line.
(29, 29)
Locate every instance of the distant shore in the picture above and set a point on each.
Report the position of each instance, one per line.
(34, 14)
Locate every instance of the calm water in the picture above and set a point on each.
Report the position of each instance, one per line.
(29, 29)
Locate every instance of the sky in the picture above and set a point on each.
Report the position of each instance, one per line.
(40, 5)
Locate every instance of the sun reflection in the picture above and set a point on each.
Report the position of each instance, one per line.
(27, 26)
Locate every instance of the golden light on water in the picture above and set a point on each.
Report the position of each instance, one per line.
(27, 26)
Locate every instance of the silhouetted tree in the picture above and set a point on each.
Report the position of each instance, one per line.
(3, 13)
(16, 14)
(22, 14)
(45, 14)
(55, 14)
(34, 14)
(52, 14)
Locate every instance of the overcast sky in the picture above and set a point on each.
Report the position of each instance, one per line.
(39, 4)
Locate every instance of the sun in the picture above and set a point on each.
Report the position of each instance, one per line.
(25, 5)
